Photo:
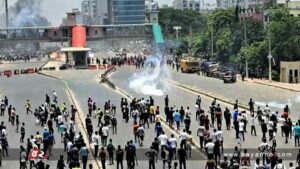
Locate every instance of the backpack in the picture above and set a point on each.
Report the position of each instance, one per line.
(114, 121)
(110, 147)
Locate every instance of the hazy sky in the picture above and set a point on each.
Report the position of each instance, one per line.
(55, 10)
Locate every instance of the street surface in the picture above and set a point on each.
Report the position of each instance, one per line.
(85, 83)
(18, 89)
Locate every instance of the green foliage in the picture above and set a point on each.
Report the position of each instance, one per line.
(190, 21)
(228, 35)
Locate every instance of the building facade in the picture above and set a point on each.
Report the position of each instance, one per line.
(246, 4)
(294, 7)
(128, 11)
(289, 71)
(188, 4)
(102, 11)
(151, 5)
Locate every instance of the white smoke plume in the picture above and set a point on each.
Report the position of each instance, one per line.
(275, 104)
(151, 81)
(26, 13)
(280, 105)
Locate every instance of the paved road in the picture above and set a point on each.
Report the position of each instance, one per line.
(13, 66)
(18, 89)
(86, 84)
(243, 91)
(184, 98)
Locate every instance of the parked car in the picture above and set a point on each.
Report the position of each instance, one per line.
(229, 77)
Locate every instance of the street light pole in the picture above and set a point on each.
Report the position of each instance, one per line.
(245, 41)
(212, 43)
(270, 55)
(177, 28)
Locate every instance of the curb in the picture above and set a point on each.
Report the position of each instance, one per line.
(270, 85)
(73, 101)
(207, 94)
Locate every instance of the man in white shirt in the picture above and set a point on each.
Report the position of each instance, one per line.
(220, 138)
(267, 112)
(271, 129)
(96, 141)
(173, 143)
(200, 135)
(163, 139)
(183, 136)
(241, 130)
(188, 111)
(105, 133)
(210, 149)
(264, 148)
(69, 148)
(214, 136)
(252, 123)
(281, 121)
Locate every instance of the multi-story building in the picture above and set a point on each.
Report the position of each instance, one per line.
(294, 7)
(128, 11)
(246, 4)
(97, 10)
(89, 7)
(103, 11)
(188, 4)
(151, 5)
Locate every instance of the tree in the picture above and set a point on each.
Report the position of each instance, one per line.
(190, 21)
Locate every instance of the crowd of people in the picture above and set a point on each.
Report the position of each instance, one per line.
(58, 123)
(25, 53)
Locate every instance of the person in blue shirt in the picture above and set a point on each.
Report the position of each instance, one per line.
(297, 134)
(235, 115)
(158, 129)
(84, 153)
(45, 133)
(177, 119)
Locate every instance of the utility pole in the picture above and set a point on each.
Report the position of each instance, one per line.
(245, 42)
(212, 42)
(270, 55)
(6, 14)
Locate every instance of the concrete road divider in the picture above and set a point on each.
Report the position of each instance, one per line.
(30, 70)
(101, 67)
(16, 72)
(92, 67)
(7, 73)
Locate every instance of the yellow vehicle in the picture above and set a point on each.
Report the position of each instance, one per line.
(189, 64)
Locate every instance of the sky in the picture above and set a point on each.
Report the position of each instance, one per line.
(55, 10)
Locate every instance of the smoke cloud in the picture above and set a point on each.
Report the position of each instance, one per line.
(280, 105)
(151, 81)
(26, 13)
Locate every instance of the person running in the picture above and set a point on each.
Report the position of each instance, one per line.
(141, 135)
(28, 107)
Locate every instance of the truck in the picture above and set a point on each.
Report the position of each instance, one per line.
(189, 64)
(209, 68)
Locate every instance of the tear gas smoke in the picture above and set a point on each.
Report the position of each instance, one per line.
(151, 81)
(26, 13)
(280, 105)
